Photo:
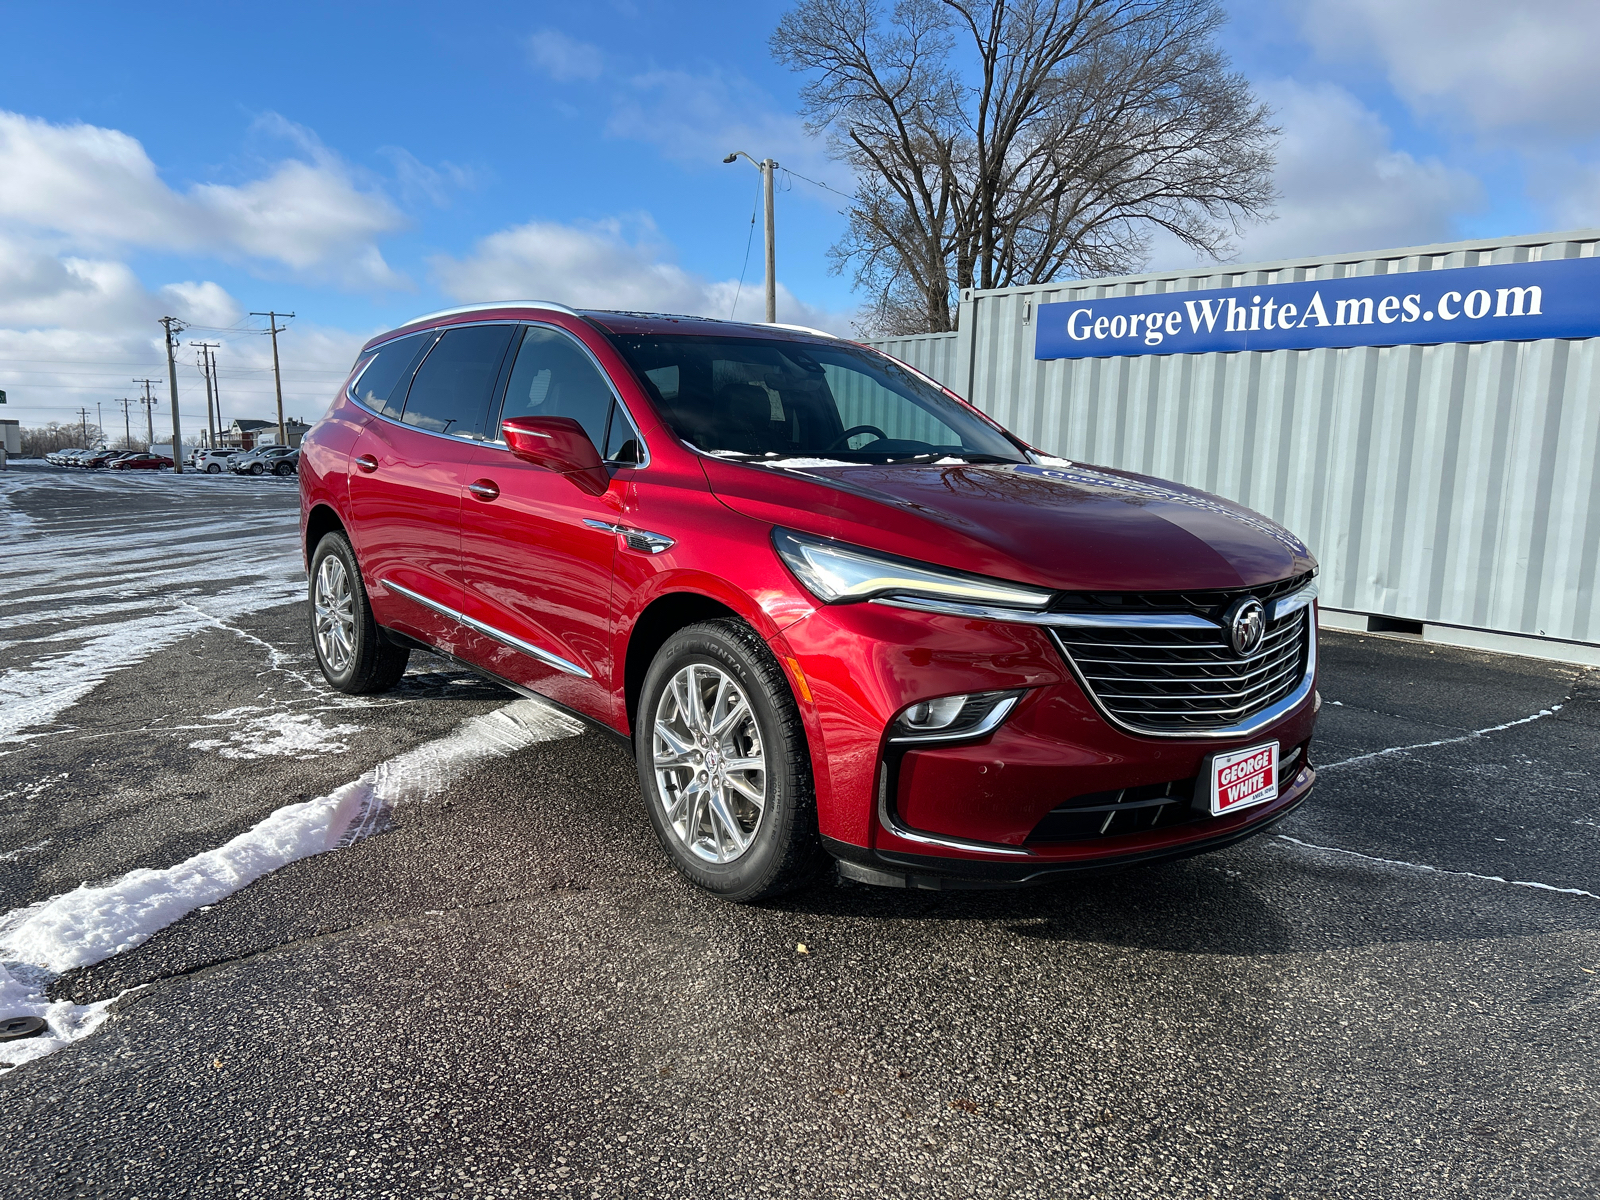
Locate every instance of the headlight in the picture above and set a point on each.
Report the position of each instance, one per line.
(835, 573)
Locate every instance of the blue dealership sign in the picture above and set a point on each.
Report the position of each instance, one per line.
(1514, 302)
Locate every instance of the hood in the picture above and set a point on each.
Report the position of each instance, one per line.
(1063, 526)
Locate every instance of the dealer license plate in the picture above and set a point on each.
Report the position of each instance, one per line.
(1243, 778)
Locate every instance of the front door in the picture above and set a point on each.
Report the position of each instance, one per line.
(409, 470)
(536, 549)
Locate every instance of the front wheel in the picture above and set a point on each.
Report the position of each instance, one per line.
(257, 469)
(352, 655)
(213, 469)
(724, 765)
(283, 469)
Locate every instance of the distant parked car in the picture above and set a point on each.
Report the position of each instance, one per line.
(57, 458)
(100, 458)
(142, 461)
(214, 461)
(260, 461)
(288, 464)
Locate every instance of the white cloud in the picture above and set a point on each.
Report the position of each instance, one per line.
(599, 266)
(1344, 186)
(1527, 67)
(564, 58)
(97, 189)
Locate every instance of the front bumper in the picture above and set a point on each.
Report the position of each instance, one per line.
(982, 812)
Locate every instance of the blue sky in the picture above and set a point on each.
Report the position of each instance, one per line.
(359, 164)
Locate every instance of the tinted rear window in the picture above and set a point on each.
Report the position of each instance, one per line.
(451, 391)
(389, 368)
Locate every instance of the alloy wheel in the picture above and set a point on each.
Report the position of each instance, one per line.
(710, 766)
(335, 615)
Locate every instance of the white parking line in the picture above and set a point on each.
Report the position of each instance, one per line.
(1411, 866)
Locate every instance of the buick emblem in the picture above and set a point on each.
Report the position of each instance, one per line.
(1246, 623)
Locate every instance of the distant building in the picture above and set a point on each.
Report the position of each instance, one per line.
(245, 434)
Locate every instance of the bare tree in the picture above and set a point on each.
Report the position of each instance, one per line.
(1002, 142)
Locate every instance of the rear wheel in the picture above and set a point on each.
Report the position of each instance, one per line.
(351, 653)
(283, 469)
(724, 765)
(213, 469)
(257, 469)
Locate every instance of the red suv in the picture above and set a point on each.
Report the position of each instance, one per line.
(833, 607)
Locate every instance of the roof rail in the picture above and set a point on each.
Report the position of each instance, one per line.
(804, 329)
(466, 308)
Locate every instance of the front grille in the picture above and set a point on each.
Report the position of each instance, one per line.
(1209, 603)
(1173, 681)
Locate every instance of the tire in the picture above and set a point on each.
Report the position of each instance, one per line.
(283, 469)
(781, 848)
(257, 469)
(213, 469)
(351, 654)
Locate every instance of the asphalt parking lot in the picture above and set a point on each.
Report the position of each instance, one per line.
(506, 990)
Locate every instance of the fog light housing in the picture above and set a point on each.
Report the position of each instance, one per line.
(953, 718)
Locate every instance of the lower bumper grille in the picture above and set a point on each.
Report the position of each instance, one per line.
(1177, 681)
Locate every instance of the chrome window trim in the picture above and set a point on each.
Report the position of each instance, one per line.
(1245, 728)
(1022, 616)
(482, 440)
(991, 721)
(516, 643)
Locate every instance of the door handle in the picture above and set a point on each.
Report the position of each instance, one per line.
(484, 489)
(366, 462)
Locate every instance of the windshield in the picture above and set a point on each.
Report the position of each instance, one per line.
(759, 399)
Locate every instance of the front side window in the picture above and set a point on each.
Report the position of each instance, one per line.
(554, 377)
(451, 391)
(759, 398)
(384, 377)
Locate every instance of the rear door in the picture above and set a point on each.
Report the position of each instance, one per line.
(409, 467)
(536, 549)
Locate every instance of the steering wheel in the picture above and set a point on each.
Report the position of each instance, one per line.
(851, 432)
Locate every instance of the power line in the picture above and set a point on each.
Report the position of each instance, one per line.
(748, 242)
(820, 184)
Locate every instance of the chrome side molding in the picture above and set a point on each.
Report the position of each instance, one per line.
(489, 631)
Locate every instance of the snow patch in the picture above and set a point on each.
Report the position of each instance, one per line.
(293, 735)
(94, 922)
(1466, 737)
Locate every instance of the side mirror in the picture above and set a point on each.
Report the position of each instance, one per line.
(558, 444)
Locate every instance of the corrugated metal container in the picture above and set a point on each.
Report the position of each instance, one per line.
(1451, 484)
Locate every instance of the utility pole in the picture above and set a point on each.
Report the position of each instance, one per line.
(149, 403)
(174, 327)
(83, 426)
(277, 376)
(99, 418)
(768, 168)
(203, 361)
(127, 431)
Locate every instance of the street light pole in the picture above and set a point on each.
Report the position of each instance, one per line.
(768, 168)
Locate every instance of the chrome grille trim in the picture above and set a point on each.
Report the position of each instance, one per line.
(1174, 684)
